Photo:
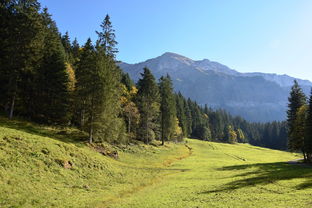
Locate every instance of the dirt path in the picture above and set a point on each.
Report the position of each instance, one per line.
(154, 181)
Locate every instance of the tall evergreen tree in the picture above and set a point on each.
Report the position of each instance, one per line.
(112, 125)
(188, 116)
(296, 100)
(67, 47)
(308, 131)
(20, 50)
(75, 48)
(126, 80)
(167, 108)
(98, 95)
(298, 132)
(107, 38)
(52, 79)
(148, 103)
(85, 73)
(181, 113)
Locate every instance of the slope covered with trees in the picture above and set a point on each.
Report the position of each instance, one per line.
(48, 79)
(299, 122)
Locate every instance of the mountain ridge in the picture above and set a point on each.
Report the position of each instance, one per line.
(255, 96)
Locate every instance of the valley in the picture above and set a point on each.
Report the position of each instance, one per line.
(189, 174)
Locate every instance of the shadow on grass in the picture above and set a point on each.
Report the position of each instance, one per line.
(68, 135)
(265, 173)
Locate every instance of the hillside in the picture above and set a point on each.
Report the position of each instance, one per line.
(254, 96)
(34, 172)
(49, 167)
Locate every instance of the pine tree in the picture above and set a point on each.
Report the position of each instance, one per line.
(20, 52)
(108, 125)
(181, 114)
(126, 80)
(85, 74)
(308, 131)
(298, 132)
(52, 79)
(296, 100)
(167, 109)
(188, 116)
(68, 48)
(99, 89)
(75, 48)
(107, 38)
(113, 126)
(148, 103)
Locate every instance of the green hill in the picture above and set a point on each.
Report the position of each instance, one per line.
(49, 167)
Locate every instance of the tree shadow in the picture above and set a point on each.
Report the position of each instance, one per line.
(264, 174)
(68, 135)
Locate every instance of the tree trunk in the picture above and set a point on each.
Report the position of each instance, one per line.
(146, 133)
(129, 124)
(308, 156)
(304, 156)
(91, 134)
(162, 135)
(81, 119)
(12, 107)
(91, 129)
(162, 131)
(82, 116)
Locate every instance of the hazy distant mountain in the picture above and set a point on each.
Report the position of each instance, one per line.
(255, 96)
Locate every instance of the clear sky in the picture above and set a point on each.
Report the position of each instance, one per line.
(273, 36)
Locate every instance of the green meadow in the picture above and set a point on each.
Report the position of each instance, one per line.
(195, 173)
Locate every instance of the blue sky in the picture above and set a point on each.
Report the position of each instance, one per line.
(246, 35)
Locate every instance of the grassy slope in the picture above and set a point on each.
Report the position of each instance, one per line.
(224, 175)
(31, 174)
(214, 175)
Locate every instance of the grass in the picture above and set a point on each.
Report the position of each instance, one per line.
(199, 174)
(224, 175)
(32, 172)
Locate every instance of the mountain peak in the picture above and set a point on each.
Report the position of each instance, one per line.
(175, 56)
(171, 54)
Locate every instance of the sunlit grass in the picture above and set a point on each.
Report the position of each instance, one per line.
(224, 175)
(32, 174)
(198, 174)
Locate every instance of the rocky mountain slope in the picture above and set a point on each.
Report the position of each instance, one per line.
(254, 96)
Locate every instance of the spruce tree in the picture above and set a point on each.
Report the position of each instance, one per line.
(75, 49)
(20, 51)
(188, 116)
(112, 126)
(298, 132)
(127, 81)
(308, 131)
(148, 103)
(68, 48)
(52, 78)
(181, 114)
(296, 100)
(106, 38)
(167, 109)
(99, 89)
(85, 73)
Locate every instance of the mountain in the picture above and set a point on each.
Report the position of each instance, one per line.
(257, 97)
